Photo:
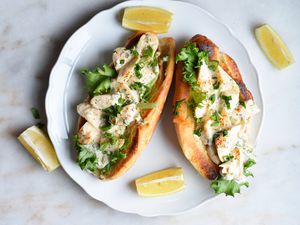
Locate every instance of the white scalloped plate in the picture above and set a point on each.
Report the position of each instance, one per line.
(92, 45)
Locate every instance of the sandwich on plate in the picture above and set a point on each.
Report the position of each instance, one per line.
(212, 112)
(124, 104)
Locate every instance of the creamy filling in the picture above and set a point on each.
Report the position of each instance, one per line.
(108, 115)
(222, 121)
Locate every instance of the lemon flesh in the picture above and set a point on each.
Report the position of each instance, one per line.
(147, 19)
(163, 182)
(40, 147)
(273, 47)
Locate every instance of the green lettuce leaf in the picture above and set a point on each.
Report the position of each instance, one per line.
(228, 187)
(98, 81)
(86, 159)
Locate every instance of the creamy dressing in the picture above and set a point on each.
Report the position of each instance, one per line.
(124, 98)
(225, 137)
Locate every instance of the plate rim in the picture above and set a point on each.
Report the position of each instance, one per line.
(138, 2)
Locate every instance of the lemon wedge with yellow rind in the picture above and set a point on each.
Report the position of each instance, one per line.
(40, 147)
(145, 18)
(273, 47)
(163, 182)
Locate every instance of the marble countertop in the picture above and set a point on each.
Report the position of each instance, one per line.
(32, 35)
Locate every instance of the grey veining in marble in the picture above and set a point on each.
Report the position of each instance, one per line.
(32, 33)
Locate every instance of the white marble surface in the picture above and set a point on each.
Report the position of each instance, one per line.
(32, 33)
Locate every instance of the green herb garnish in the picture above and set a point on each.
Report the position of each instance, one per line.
(198, 132)
(99, 80)
(219, 133)
(144, 90)
(242, 103)
(228, 158)
(137, 71)
(177, 106)
(134, 52)
(247, 165)
(216, 118)
(86, 159)
(216, 85)
(148, 52)
(35, 113)
(227, 100)
(122, 61)
(212, 98)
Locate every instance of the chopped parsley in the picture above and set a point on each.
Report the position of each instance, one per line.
(216, 118)
(213, 65)
(110, 114)
(227, 100)
(137, 70)
(148, 52)
(228, 158)
(212, 98)
(35, 113)
(154, 62)
(122, 61)
(216, 85)
(219, 133)
(247, 165)
(242, 103)
(198, 132)
(177, 106)
(144, 90)
(134, 52)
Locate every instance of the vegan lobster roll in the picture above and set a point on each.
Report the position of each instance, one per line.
(124, 104)
(212, 111)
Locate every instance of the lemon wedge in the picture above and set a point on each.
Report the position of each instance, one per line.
(145, 18)
(273, 47)
(163, 182)
(40, 147)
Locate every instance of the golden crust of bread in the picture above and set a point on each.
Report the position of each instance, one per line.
(142, 133)
(192, 147)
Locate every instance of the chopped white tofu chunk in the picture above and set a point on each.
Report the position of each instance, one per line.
(88, 134)
(232, 169)
(226, 143)
(205, 77)
(91, 114)
(127, 72)
(102, 159)
(200, 111)
(121, 57)
(117, 130)
(128, 114)
(208, 131)
(102, 101)
(233, 101)
(148, 75)
(128, 94)
(147, 40)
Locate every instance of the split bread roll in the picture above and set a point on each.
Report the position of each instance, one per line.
(212, 110)
(144, 68)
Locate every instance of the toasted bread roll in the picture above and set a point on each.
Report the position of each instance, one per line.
(140, 133)
(203, 156)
